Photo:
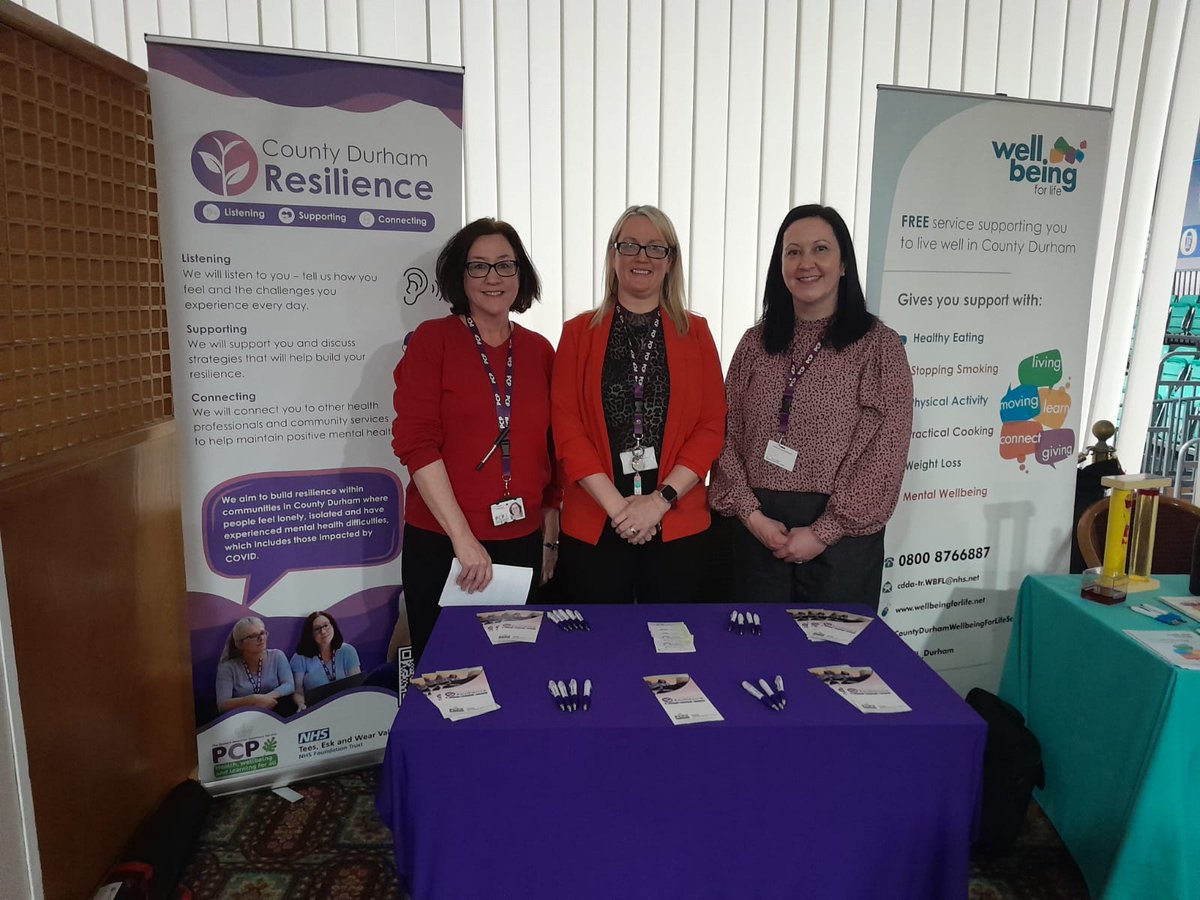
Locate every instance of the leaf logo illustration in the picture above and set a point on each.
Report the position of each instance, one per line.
(224, 163)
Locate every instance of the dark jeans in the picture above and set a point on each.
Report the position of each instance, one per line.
(615, 571)
(851, 571)
(425, 563)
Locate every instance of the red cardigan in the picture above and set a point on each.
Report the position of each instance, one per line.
(692, 436)
(445, 410)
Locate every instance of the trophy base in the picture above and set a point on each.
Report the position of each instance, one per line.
(1137, 584)
(1101, 588)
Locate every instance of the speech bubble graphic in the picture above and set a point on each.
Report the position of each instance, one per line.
(1055, 445)
(1055, 405)
(1020, 404)
(1019, 439)
(262, 526)
(1042, 369)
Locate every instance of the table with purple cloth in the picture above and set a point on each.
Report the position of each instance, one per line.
(819, 800)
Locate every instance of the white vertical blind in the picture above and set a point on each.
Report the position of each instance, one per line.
(726, 112)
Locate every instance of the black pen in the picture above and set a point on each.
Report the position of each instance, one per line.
(587, 694)
(500, 439)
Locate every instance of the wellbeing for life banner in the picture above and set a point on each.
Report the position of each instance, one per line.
(984, 221)
(302, 198)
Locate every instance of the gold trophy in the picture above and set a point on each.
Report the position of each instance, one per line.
(1128, 540)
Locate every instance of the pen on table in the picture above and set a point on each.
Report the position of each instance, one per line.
(581, 620)
(753, 692)
(741, 623)
(557, 698)
(572, 625)
(562, 690)
(782, 692)
(554, 617)
(757, 624)
(732, 620)
(574, 694)
(560, 619)
(771, 698)
(1171, 618)
(587, 694)
(500, 439)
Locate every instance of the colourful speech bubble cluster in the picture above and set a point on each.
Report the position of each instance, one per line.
(1032, 413)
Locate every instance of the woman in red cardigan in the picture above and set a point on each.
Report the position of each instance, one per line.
(638, 408)
(472, 426)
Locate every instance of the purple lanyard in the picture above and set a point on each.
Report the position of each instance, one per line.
(789, 393)
(639, 382)
(503, 402)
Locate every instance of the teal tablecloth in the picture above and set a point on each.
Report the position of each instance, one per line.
(1120, 735)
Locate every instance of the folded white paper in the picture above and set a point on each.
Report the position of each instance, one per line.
(862, 687)
(682, 699)
(672, 637)
(511, 626)
(1179, 648)
(458, 693)
(509, 587)
(830, 624)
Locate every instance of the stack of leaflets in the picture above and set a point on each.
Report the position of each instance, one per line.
(1189, 606)
(458, 693)
(1179, 648)
(829, 624)
(672, 637)
(511, 626)
(862, 687)
(682, 699)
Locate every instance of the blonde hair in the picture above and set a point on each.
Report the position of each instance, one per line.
(231, 649)
(674, 295)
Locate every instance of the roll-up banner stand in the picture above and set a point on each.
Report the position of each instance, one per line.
(985, 216)
(302, 201)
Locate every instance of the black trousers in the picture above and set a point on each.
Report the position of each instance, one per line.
(425, 563)
(615, 571)
(851, 571)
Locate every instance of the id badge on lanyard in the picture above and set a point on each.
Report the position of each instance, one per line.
(508, 508)
(777, 452)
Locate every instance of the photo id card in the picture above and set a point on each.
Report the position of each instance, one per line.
(780, 455)
(508, 509)
(630, 465)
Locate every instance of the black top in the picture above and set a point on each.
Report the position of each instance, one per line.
(630, 332)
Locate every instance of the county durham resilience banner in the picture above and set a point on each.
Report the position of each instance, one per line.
(984, 222)
(303, 198)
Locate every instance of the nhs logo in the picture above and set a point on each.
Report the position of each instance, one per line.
(311, 737)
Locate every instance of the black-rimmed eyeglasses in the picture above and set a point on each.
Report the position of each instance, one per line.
(506, 268)
(633, 248)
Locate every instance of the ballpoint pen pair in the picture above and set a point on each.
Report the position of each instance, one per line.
(1158, 614)
(743, 622)
(772, 699)
(568, 619)
(566, 694)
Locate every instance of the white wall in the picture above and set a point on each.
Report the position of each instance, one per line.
(728, 112)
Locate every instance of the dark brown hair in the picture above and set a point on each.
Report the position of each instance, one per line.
(452, 266)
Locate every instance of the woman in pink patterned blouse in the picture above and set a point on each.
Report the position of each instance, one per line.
(820, 417)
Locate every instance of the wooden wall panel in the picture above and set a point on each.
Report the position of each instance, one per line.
(94, 560)
(89, 497)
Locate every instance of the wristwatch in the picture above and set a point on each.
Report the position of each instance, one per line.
(669, 494)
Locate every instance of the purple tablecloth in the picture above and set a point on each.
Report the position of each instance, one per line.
(818, 801)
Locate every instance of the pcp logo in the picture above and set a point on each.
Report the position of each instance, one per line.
(238, 757)
(224, 163)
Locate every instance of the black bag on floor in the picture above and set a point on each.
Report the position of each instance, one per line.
(1012, 767)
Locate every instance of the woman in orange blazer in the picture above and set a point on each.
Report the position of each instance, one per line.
(638, 411)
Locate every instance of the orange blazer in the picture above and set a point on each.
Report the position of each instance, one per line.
(692, 435)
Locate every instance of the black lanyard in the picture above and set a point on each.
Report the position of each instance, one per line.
(503, 400)
(639, 381)
(789, 393)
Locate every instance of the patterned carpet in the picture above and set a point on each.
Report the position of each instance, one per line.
(332, 846)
